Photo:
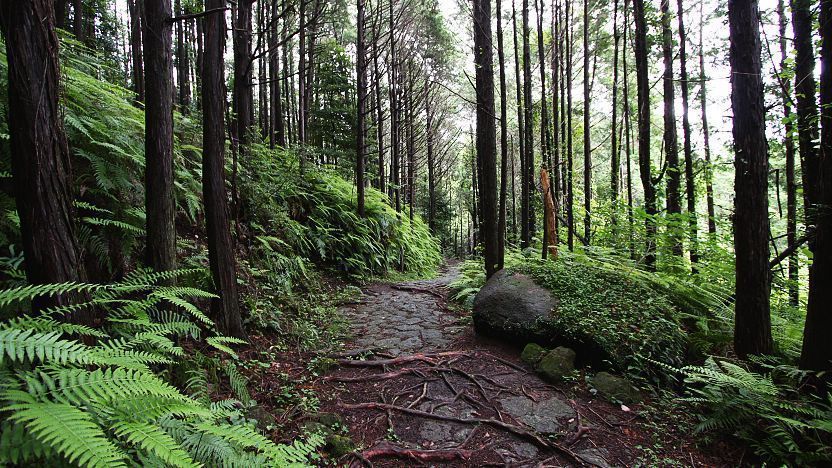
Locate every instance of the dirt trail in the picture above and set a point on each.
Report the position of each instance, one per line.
(419, 387)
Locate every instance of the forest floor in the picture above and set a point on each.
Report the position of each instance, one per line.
(416, 385)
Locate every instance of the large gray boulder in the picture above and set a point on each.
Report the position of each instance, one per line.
(511, 306)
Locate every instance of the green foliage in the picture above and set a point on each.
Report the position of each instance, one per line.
(782, 423)
(107, 404)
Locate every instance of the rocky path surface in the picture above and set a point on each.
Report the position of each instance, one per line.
(418, 387)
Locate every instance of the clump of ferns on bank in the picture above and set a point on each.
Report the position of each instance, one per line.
(107, 404)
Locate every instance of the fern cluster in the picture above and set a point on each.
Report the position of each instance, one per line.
(783, 425)
(107, 404)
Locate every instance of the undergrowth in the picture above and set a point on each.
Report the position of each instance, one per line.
(109, 403)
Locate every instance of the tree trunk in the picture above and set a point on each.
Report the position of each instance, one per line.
(671, 144)
(628, 133)
(182, 66)
(486, 132)
(524, 195)
(545, 136)
(431, 170)
(807, 107)
(752, 329)
(379, 111)
(242, 98)
(394, 114)
(78, 19)
(159, 198)
(615, 156)
(817, 347)
(587, 144)
(788, 143)
(361, 92)
(570, 160)
(690, 182)
(643, 88)
(225, 309)
(60, 13)
(706, 131)
(528, 118)
(133, 7)
(40, 161)
(501, 223)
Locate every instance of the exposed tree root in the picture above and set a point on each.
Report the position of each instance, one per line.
(511, 428)
(428, 358)
(386, 449)
(419, 290)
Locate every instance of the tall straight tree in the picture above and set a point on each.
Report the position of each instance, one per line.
(671, 144)
(615, 154)
(134, 9)
(486, 133)
(40, 159)
(817, 347)
(361, 98)
(643, 89)
(706, 131)
(752, 329)
(524, 196)
(501, 224)
(690, 182)
(182, 66)
(587, 142)
(788, 143)
(159, 200)
(807, 106)
(570, 169)
(545, 135)
(528, 118)
(243, 95)
(225, 309)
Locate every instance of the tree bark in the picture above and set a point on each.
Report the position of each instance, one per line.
(524, 196)
(671, 143)
(615, 156)
(40, 162)
(159, 198)
(706, 131)
(501, 223)
(486, 132)
(361, 93)
(690, 182)
(225, 309)
(133, 7)
(545, 136)
(807, 107)
(752, 329)
(78, 19)
(643, 88)
(587, 131)
(182, 66)
(528, 117)
(788, 144)
(817, 347)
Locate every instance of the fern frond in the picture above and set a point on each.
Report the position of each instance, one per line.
(152, 439)
(70, 431)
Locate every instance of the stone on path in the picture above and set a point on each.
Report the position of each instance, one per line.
(543, 416)
(510, 306)
(615, 388)
(557, 364)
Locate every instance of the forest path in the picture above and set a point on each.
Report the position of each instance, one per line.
(417, 386)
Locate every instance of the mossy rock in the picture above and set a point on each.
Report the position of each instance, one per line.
(510, 305)
(533, 353)
(263, 417)
(617, 389)
(557, 364)
(339, 445)
(323, 423)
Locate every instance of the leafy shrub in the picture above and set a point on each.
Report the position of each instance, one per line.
(767, 410)
(107, 404)
(315, 213)
(627, 315)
